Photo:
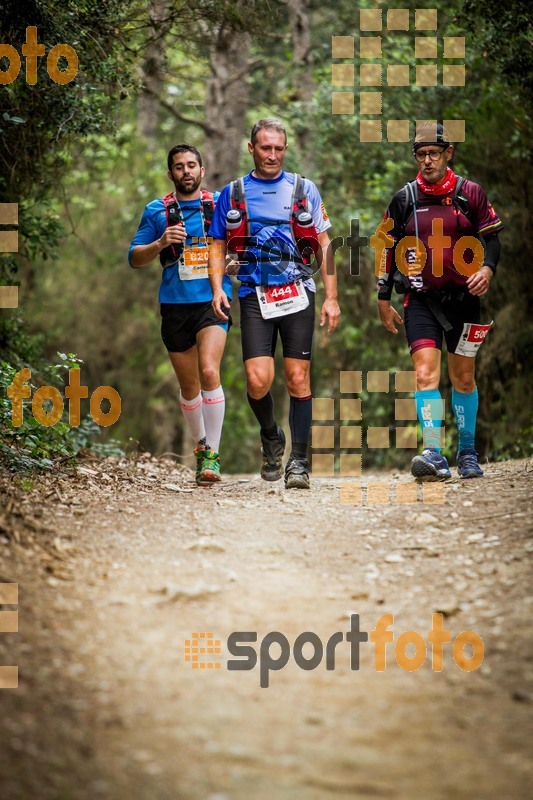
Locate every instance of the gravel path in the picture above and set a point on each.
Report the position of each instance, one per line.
(119, 565)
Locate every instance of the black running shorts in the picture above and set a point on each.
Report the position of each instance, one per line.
(180, 322)
(424, 330)
(259, 336)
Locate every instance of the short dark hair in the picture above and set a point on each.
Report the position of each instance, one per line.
(182, 148)
(269, 123)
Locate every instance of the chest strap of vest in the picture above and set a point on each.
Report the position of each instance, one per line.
(238, 228)
(304, 232)
(173, 252)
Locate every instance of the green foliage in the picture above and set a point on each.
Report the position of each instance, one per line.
(95, 175)
(39, 121)
(32, 445)
(38, 125)
(503, 34)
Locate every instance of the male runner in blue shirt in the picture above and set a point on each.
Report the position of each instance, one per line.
(277, 292)
(175, 228)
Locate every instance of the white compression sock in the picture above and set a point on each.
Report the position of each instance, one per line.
(192, 413)
(214, 406)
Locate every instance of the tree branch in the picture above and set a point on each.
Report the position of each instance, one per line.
(188, 120)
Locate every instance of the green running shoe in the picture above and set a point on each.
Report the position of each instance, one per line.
(199, 461)
(208, 469)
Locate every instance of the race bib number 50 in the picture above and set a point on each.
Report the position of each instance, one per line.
(472, 337)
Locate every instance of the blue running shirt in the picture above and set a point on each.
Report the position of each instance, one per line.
(273, 259)
(175, 289)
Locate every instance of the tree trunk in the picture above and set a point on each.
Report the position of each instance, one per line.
(226, 104)
(153, 75)
(300, 24)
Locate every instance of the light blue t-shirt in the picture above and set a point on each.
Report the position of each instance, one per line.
(272, 258)
(175, 288)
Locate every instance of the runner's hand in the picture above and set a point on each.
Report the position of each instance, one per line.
(232, 266)
(175, 234)
(331, 310)
(221, 305)
(478, 283)
(388, 316)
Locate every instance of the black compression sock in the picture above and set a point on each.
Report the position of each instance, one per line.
(300, 416)
(298, 451)
(264, 412)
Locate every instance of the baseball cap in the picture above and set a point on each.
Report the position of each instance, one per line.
(430, 133)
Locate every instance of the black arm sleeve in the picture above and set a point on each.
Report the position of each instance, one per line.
(491, 246)
(385, 284)
(396, 211)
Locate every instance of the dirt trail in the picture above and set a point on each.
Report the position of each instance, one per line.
(120, 565)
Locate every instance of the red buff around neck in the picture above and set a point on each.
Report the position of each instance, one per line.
(445, 186)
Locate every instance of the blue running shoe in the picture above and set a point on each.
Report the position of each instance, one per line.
(430, 466)
(467, 464)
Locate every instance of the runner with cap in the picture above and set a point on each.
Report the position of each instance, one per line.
(443, 253)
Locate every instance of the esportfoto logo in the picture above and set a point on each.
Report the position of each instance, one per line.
(336, 439)
(275, 649)
(432, 61)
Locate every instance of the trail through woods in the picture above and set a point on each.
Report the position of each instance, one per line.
(119, 564)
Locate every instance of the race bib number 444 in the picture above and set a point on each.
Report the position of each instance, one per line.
(276, 301)
(472, 337)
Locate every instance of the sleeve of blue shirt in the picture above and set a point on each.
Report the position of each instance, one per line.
(218, 223)
(151, 226)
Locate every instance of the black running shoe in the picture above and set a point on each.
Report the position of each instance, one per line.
(273, 449)
(297, 474)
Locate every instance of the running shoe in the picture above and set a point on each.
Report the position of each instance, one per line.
(297, 474)
(467, 464)
(430, 466)
(199, 461)
(273, 449)
(209, 468)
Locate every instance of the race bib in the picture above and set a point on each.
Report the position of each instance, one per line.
(194, 263)
(472, 338)
(276, 301)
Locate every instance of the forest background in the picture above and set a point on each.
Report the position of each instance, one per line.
(83, 159)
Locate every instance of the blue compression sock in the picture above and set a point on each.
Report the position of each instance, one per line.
(430, 411)
(465, 410)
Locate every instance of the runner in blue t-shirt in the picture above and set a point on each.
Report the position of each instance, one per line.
(175, 228)
(277, 292)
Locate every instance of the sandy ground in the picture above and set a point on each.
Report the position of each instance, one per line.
(118, 566)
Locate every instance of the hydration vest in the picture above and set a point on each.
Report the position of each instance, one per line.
(303, 229)
(459, 201)
(460, 204)
(173, 252)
